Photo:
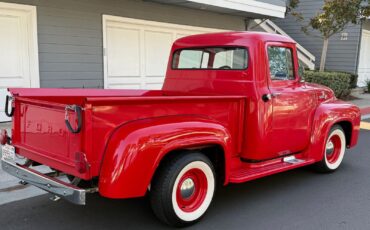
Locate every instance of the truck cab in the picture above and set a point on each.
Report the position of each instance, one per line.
(263, 68)
(234, 107)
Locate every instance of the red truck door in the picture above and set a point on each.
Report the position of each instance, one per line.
(292, 104)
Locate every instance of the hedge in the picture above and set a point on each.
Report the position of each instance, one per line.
(339, 82)
(354, 78)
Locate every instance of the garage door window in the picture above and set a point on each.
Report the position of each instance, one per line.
(211, 58)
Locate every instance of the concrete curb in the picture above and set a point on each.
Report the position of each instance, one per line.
(365, 113)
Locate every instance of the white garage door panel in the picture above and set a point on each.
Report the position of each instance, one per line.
(7, 82)
(137, 51)
(364, 61)
(182, 35)
(18, 49)
(154, 86)
(130, 81)
(157, 50)
(122, 40)
(10, 57)
(125, 86)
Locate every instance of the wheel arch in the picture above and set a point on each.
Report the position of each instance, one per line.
(326, 116)
(135, 151)
(214, 151)
(347, 128)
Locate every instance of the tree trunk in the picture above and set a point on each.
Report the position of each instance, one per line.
(323, 54)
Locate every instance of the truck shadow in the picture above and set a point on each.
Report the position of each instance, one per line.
(248, 202)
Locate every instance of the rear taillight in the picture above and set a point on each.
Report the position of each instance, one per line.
(81, 163)
(4, 138)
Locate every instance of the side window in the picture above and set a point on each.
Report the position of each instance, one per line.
(301, 69)
(281, 63)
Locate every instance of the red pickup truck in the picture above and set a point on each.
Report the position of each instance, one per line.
(234, 107)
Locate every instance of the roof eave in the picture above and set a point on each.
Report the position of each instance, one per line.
(251, 8)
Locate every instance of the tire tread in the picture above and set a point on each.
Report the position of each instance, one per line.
(321, 166)
(161, 193)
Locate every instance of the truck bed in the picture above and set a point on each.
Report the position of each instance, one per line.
(40, 132)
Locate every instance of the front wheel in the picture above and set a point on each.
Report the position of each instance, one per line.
(182, 190)
(334, 150)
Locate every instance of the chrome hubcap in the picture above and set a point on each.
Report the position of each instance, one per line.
(329, 147)
(187, 188)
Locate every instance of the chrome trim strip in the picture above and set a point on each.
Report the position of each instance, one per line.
(57, 187)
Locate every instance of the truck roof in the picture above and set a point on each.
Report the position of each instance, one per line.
(229, 38)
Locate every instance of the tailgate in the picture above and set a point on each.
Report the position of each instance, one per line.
(40, 134)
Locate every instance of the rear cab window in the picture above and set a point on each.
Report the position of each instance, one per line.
(214, 58)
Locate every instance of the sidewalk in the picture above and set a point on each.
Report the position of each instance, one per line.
(363, 102)
(5, 125)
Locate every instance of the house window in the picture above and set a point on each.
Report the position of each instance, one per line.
(281, 63)
(221, 58)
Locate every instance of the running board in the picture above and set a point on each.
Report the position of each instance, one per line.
(247, 172)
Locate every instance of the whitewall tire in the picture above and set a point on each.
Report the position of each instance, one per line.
(183, 189)
(334, 150)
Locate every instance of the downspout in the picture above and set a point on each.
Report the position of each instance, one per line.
(358, 51)
(247, 22)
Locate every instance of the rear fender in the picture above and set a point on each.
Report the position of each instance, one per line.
(135, 150)
(327, 115)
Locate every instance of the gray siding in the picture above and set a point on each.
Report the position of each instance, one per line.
(342, 55)
(70, 34)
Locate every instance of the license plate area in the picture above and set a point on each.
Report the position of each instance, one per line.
(8, 153)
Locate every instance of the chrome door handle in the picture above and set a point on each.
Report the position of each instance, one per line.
(266, 97)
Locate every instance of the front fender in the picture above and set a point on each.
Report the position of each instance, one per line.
(135, 150)
(327, 115)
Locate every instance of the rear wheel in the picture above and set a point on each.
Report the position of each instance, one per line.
(334, 150)
(182, 190)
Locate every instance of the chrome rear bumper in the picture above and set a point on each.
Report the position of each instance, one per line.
(57, 187)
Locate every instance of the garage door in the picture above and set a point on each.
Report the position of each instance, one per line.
(136, 51)
(18, 49)
(364, 61)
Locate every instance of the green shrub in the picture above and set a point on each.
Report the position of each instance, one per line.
(354, 79)
(339, 82)
(367, 82)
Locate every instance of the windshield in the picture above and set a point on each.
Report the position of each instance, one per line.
(223, 58)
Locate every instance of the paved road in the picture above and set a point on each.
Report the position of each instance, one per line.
(299, 199)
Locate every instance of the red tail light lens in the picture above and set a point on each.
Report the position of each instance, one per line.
(81, 163)
(4, 138)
